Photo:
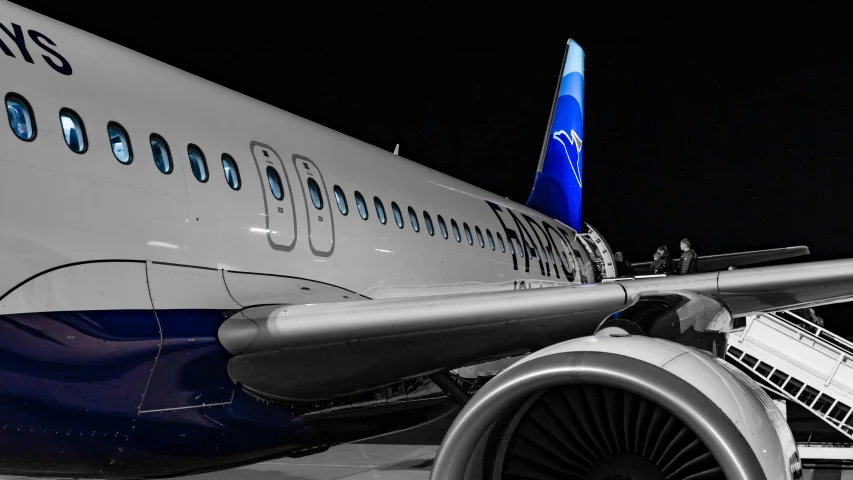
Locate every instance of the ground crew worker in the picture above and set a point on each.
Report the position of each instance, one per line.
(658, 266)
(667, 260)
(624, 267)
(810, 315)
(689, 259)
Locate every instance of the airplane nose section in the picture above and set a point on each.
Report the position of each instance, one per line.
(236, 333)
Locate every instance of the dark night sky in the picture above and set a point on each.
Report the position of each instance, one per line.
(726, 126)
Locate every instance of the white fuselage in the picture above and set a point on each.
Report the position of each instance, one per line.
(58, 207)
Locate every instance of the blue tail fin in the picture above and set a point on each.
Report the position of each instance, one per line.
(558, 185)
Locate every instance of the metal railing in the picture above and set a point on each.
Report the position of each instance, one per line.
(801, 361)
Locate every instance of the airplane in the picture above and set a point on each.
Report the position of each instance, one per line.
(192, 280)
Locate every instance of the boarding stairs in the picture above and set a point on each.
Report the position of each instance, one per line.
(802, 363)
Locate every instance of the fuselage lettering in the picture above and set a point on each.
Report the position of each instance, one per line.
(509, 233)
(561, 249)
(53, 59)
(544, 248)
(553, 245)
(17, 36)
(527, 243)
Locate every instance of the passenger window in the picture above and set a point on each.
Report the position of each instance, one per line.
(314, 191)
(72, 128)
(198, 163)
(413, 218)
(428, 223)
(501, 243)
(380, 210)
(275, 183)
(468, 233)
(341, 199)
(360, 205)
(120, 143)
(398, 216)
(511, 248)
(479, 236)
(490, 239)
(442, 227)
(162, 156)
(232, 174)
(455, 230)
(550, 257)
(20, 119)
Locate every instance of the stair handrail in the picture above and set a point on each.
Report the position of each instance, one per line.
(834, 341)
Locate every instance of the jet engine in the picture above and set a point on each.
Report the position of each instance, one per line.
(618, 406)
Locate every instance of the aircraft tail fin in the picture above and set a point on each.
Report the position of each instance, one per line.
(558, 184)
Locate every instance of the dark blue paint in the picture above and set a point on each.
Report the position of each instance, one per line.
(56, 61)
(183, 376)
(72, 384)
(63, 66)
(557, 190)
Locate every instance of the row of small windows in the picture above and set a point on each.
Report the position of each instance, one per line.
(340, 198)
(559, 257)
(23, 124)
(361, 206)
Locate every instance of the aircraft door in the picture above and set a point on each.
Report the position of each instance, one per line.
(572, 264)
(278, 199)
(318, 206)
(594, 263)
(604, 250)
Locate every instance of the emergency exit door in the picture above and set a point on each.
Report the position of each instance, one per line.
(318, 206)
(278, 199)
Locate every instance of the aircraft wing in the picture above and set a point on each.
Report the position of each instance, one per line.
(310, 352)
(713, 263)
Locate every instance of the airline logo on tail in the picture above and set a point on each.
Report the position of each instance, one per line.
(558, 188)
(572, 145)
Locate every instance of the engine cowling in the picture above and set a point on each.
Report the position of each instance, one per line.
(619, 407)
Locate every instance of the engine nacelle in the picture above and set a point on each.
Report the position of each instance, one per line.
(626, 407)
